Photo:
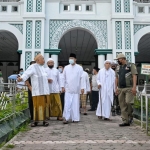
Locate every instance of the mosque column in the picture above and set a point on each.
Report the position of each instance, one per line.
(101, 59)
(55, 58)
(101, 56)
(21, 58)
(109, 57)
(54, 55)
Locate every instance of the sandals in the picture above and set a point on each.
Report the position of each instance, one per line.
(65, 122)
(59, 118)
(34, 124)
(107, 119)
(85, 114)
(45, 124)
(99, 117)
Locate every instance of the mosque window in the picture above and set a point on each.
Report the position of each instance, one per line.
(141, 9)
(14, 8)
(89, 8)
(4, 8)
(66, 7)
(77, 7)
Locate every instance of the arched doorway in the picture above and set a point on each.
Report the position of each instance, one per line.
(8, 53)
(144, 55)
(80, 42)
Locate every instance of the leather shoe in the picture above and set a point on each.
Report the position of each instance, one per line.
(124, 124)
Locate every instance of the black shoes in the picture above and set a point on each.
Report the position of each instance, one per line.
(124, 124)
(91, 110)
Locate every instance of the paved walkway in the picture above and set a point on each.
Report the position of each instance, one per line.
(89, 134)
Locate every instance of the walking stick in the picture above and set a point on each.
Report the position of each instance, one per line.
(100, 100)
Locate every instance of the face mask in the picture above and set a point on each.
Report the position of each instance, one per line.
(51, 66)
(21, 73)
(113, 68)
(71, 61)
(60, 70)
(120, 63)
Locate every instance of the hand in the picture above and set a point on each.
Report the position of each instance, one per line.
(19, 79)
(63, 90)
(134, 91)
(50, 80)
(117, 92)
(30, 88)
(99, 86)
(82, 91)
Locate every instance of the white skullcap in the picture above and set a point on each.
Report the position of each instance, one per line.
(114, 63)
(107, 61)
(49, 59)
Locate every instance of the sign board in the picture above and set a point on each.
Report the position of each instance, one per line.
(145, 69)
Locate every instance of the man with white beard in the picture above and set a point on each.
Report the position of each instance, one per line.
(73, 82)
(106, 85)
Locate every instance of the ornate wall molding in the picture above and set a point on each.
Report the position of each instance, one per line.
(128, 56)
(127, 6)
(98, 28)
(38, 34)
(117, 6)
(127, 34)
(29, 5)
(38, 5)
(118, 29)
(28, 59)
(29, 34)
(137, 27)
(19, 27)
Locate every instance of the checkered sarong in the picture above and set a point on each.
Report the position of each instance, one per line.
(83, 99)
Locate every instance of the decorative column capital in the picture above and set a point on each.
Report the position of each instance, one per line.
(136, 53)
(52, 51)
(103, 51)
(19, 51)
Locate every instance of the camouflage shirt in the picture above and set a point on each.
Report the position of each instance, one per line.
(125, 74)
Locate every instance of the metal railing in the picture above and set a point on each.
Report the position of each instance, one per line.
(12, 103)
(143, 95)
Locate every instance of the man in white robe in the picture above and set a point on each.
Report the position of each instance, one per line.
(40, 89)
(106, 85)
(73, 83)
(54, 107)
(83, 96)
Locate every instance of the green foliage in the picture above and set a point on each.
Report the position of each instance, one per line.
(16, 105)
(10, 146)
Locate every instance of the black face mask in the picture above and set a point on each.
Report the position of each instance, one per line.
(113, 68)
(120, 63)
(51, 66)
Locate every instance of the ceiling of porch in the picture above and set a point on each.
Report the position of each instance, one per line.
(79, 42)
(8, 47)
(144, 49)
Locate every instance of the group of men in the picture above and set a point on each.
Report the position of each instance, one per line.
(57, 92)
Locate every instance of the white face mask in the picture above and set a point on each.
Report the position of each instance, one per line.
(71, 61)
(60, 70)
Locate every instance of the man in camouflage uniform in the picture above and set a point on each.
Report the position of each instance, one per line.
(126, 78)
(115, 106)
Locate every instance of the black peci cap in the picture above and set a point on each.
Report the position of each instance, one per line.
(73, 55)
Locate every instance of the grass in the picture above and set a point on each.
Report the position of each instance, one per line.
(10, 146)
(23, 128)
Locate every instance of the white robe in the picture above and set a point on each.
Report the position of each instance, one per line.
(105, 78)
(53, 74)
(38, 79)
(73, 82)
(85, 79)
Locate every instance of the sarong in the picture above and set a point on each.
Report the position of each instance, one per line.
(53, 106)
(83, 98)
(39, 107)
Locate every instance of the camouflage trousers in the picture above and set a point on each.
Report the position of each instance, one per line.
(126, 101)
